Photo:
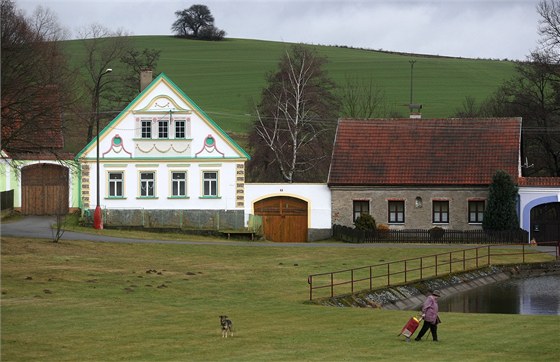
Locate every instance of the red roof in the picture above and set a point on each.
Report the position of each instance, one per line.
(539, 181)
(424, 151)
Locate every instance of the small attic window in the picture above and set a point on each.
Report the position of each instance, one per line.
(418, 202)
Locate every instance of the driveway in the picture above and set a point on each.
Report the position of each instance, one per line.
(40, 227)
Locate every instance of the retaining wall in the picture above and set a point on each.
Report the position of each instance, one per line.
(411, 296)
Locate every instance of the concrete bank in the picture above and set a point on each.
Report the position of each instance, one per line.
(412, 295)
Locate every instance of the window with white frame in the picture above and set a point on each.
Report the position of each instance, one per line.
(178, 184)
(210, 183)
(147, 184)
(476, 211)
(396, 212)
(179, 129)
(146, 129)
(163, 129)
(440, 212)
(116, 184)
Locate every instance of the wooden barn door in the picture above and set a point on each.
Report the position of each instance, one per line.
(284, 218)
(44, 189)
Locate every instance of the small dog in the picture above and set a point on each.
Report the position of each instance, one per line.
(227, 326)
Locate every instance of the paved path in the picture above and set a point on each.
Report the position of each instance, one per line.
(40, 227)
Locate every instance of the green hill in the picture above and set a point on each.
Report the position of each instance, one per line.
(225, 78)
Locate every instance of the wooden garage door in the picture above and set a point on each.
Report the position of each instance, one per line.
(284, 218)
(44, 189)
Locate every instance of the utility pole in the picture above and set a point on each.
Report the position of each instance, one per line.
(411, 78)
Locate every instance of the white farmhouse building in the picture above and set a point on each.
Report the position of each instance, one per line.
(164, 162)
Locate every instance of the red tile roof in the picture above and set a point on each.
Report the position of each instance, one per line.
(539, 181)
(424, 151)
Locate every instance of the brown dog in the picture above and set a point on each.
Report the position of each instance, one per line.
(227, 326)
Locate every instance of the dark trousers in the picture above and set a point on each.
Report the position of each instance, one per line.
(425, 326)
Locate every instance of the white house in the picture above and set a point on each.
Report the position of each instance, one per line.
(164, 162)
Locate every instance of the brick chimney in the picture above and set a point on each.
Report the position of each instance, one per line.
(145, 78)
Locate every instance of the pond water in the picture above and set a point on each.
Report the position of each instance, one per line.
(531, 295)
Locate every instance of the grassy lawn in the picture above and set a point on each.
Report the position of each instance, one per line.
(79, 300)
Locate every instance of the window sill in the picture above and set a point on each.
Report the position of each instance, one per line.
(210, 197)
(147, 198)
(115, 198)
(178, 197)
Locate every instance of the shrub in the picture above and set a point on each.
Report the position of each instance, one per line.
(383, 231)
(436, 233)
(365, 222)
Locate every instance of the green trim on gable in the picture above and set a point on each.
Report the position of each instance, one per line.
(163, 78)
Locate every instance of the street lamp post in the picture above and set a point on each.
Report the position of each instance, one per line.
(97, 218)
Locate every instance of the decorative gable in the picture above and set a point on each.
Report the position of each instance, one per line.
(163, 123)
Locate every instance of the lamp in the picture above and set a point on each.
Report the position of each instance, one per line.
(97, 219)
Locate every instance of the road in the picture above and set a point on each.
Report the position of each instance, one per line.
(40, 227)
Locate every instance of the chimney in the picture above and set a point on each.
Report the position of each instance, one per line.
(145, 78)
(415, 111)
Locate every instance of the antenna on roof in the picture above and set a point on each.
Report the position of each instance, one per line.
(526, 164)
(413, 108)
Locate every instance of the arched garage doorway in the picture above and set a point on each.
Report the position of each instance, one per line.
(545, 224)
(44, 189)
(284, 218)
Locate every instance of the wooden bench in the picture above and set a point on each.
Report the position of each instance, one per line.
(230, 233)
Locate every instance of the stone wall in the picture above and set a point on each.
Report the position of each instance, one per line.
(182, 219)
(411, 296)
(418, 205)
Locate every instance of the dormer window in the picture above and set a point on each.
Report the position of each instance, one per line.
(163, 129)
(179, 129)
(146, 129)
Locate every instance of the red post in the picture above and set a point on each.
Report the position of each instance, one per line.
(97, 218)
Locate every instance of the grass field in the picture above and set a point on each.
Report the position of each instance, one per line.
(78, 300)
(226, 78)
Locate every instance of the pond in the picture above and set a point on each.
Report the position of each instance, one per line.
(530, 295)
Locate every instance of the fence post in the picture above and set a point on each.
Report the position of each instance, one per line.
(370, 278)
(352, 281)
(310, 282)
(332, 285)
(477, 258)
(405, 271)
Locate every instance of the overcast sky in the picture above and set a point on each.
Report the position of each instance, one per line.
(487, 29)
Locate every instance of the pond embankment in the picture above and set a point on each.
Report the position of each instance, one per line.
(411, 296)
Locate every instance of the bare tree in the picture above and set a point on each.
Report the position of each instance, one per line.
(295, 119)
(36, 82)
(104, 49)
(362, 99)
(549, 24)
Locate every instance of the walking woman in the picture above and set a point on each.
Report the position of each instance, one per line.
(430, 314)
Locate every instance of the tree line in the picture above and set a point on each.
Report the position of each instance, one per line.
(295, 118)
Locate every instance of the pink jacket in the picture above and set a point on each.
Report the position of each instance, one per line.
(430, 309)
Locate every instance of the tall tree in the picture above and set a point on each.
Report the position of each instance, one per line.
(295, 120)
(35, 80)
(104, 50)
(196, 22)
(500, 213)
